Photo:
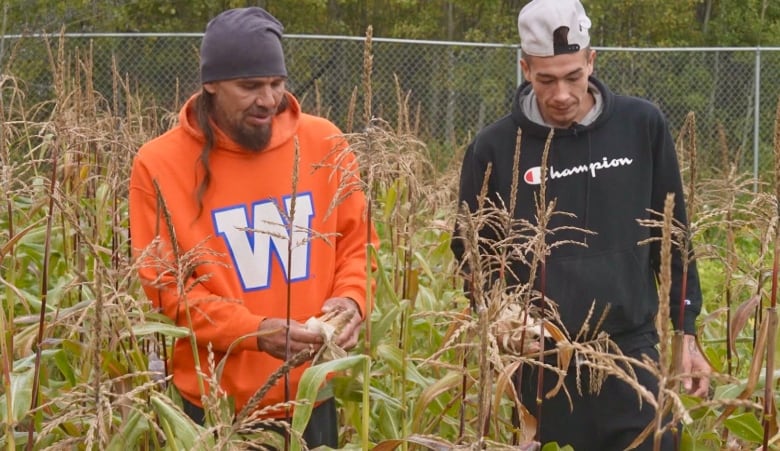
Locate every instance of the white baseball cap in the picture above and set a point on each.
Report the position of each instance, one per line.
(539, 19)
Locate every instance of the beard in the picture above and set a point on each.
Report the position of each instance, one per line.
(254, 139)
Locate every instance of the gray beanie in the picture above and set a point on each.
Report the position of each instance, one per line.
(242, 43)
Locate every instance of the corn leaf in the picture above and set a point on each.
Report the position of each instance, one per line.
(432, 443)
(178, 426)
(155, 328)
(450, 383)
(394, 357)
(20, 396)
(310, 383)
(745, 426)
(132, 429)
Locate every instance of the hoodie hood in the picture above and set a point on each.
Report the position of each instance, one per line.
(284, 126)
(521, 119)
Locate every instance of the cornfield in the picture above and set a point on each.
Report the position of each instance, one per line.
(83, 351)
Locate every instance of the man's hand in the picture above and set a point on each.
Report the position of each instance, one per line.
(273, 333)
(348, 337)
(694, 364)
(514, 338)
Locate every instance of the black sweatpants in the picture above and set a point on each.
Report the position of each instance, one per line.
(607, 421)
(321, 430)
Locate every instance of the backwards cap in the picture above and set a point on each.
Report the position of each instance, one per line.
(539, 19)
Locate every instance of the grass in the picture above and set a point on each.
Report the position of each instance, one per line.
(78, 339)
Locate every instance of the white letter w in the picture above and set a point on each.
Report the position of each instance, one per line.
(252, 247)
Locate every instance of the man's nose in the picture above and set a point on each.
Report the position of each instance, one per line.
(265, 97)
(561, 91)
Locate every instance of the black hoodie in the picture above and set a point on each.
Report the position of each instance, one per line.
(605, 176)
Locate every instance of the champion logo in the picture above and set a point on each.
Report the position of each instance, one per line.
(533, 176)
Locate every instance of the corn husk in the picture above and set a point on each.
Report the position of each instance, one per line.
(329, 327)
(517, 332)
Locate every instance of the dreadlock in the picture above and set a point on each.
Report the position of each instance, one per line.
(203, 105)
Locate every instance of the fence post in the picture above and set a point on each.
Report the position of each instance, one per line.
(756, 118)
(517, 66)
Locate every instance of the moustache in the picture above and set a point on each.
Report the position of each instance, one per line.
(260, 111)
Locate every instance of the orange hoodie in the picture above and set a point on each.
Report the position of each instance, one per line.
(234, 270)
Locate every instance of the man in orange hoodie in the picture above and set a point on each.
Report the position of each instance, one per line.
(247, 219)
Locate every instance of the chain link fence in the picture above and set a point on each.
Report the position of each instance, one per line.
(450, 89)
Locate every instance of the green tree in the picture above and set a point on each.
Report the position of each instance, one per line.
(740, 22)
(643, 23)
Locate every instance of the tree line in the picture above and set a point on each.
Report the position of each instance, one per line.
(632, 23)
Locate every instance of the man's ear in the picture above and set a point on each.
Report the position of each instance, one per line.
(526, 69)
(591, 61)
(210, 87)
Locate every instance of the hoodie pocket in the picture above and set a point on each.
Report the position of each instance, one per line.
(614, 291)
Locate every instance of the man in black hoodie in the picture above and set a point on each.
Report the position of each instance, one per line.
(611, 163)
